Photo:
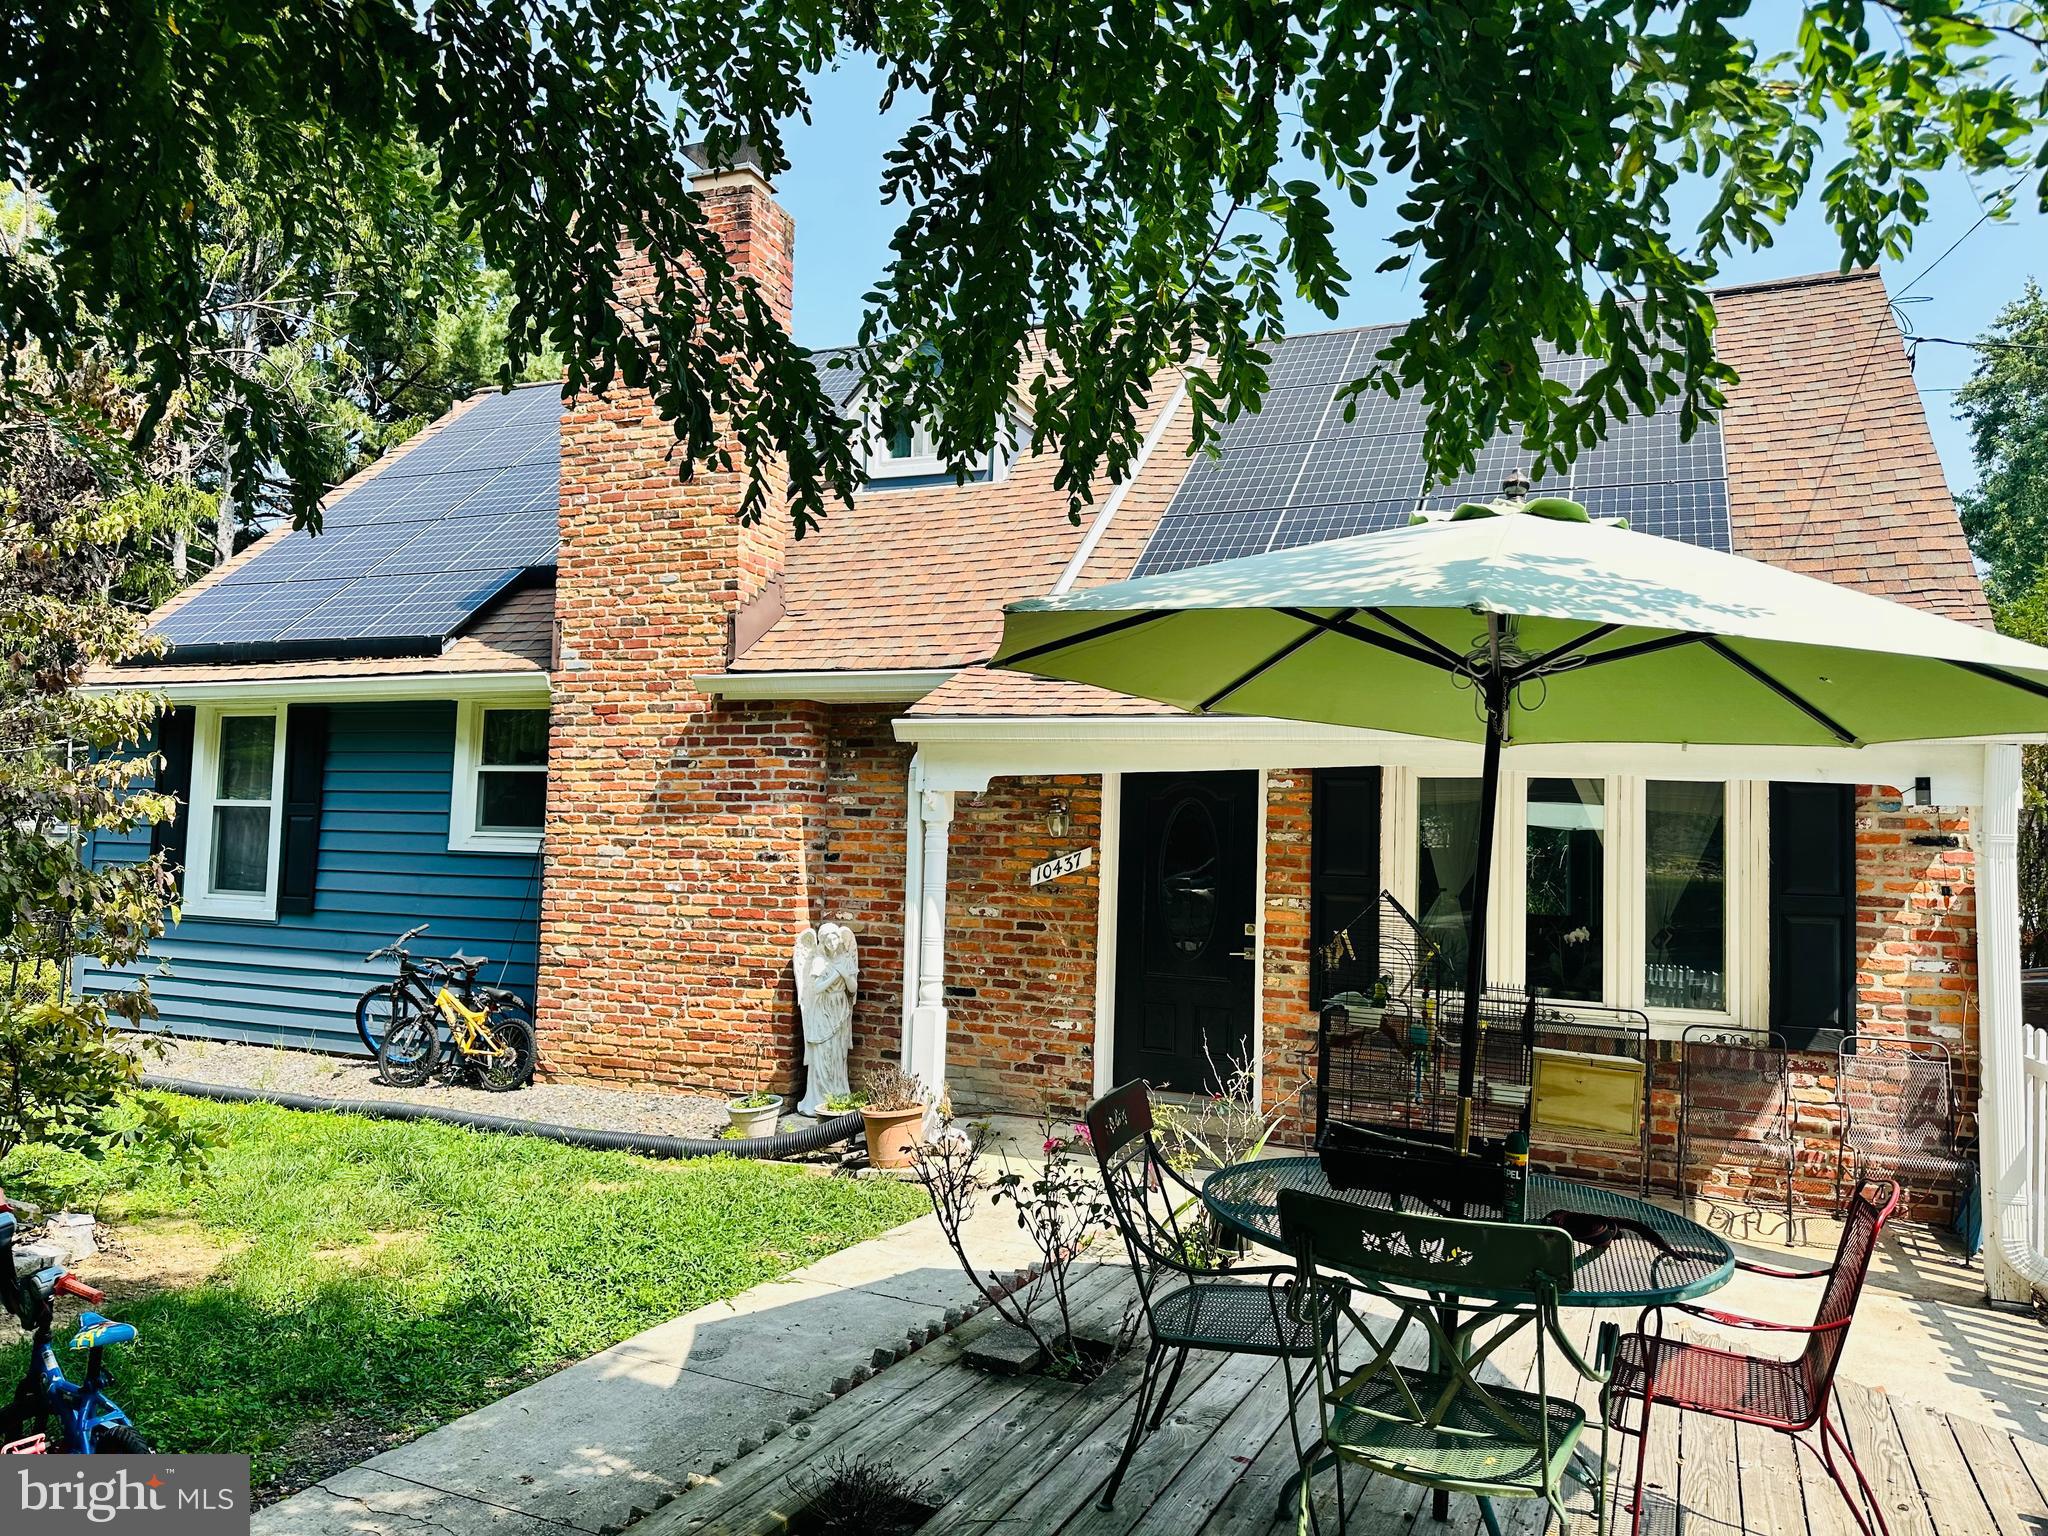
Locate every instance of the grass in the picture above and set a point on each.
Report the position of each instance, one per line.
(385, 1277)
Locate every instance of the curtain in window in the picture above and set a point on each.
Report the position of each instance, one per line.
(1448, 839)
(1685, 895)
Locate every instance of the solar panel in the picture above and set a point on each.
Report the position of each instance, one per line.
(1693, 510)
(1303, 473)
(406, 557)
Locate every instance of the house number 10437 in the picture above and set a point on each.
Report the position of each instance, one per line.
(1062, 864)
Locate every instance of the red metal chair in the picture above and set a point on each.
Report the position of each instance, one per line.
(1795, 1396)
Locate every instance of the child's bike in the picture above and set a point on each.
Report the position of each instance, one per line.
(48, 1407)
(490, 1041)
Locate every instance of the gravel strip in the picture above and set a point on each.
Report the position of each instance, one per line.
(279, 1069)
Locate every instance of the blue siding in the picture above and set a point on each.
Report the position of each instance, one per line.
(384, 866)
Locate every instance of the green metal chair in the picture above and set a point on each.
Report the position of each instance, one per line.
(1188, 1304)
(1466, 1287)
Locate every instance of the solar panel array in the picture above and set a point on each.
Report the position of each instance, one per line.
(1297, 472)
(405, 558)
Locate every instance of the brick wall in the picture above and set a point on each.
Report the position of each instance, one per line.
(1916, 978)
(859, 880)
(1020, 960)
(682, 832)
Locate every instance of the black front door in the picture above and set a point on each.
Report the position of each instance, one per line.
(1186, 956)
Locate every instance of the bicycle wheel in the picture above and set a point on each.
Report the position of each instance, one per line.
(119, 1440)
(409, 1053)
(380, 1008)
(511, 1064)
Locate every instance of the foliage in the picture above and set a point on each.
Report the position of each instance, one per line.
(1197, 1136)
(2005, 404)
(845, 1496)
(2025, 617)
(396, 1275)
(67, 774)
(1119, 190)
(889, 1089)
(1059, 1205)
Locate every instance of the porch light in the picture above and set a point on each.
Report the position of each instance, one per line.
(1056, 821)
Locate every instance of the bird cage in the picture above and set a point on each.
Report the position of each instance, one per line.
(1387, 1059)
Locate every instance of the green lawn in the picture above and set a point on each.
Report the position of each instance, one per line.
(334, 1281)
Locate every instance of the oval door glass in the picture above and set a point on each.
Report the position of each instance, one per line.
(1189, 855)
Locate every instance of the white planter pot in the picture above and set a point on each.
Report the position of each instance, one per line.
(753, 1123)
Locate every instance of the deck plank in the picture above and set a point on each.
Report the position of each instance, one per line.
(1867, 1420)
(1709, 1479)
(1953, 1498)
(1058, 1468)
(1207, 1480)
(2009, 1492)
(1772, 1498)
(1181, 1440)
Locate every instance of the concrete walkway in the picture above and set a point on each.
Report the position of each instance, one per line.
(595, 1445)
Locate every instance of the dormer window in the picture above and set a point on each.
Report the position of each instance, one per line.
(907, 448)
(905, 452)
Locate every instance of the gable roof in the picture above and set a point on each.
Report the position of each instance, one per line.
(1830, 471)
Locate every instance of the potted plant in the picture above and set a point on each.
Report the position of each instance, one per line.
(892, 1112)
(755, 1114)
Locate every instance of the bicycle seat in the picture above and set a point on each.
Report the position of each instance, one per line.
(97, 1332)
(464, 962)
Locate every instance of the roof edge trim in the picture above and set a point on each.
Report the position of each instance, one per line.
(900, 685)
(376, 688)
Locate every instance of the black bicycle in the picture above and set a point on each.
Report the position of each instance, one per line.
(489, 1034)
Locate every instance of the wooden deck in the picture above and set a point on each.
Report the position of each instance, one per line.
(1029, 1457)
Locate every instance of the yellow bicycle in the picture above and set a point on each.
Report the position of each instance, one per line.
(490, 1042)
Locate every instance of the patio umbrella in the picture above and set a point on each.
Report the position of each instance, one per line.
(1528, 623)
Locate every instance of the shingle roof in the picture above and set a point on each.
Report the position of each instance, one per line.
(1831, 472)
(1831, 469)
(918, 577)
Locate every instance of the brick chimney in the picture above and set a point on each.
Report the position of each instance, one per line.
(676, 870)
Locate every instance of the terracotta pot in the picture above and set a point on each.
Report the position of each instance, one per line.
(891, 1135)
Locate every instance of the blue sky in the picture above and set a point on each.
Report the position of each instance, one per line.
(843, 236)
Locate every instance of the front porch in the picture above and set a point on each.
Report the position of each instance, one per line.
(1020, 997)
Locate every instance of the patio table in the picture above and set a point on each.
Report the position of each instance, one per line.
(1627, 1271)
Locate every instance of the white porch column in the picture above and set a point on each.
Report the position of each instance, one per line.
(2012, 1269)
(924, 1042)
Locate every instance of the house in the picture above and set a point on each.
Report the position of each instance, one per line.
(533, 689)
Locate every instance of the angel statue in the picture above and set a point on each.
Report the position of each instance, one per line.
(827, 981)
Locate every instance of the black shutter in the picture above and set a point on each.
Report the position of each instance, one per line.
(1344, 882)
(174, 777)
(1813, 913)
(305, 769)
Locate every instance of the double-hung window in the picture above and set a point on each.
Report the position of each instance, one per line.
(500, 798)
(237, 812)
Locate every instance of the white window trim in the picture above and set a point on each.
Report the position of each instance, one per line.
(1747, 845)
(464, 835)
(883, 469)
(199, 899)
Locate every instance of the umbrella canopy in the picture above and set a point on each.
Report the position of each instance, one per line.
(1603, 635)
(1528, 623)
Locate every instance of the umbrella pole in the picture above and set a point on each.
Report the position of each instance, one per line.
(1482, 890)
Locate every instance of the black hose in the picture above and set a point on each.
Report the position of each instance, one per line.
(813, 1138)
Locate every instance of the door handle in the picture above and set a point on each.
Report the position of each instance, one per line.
(1247, 953)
